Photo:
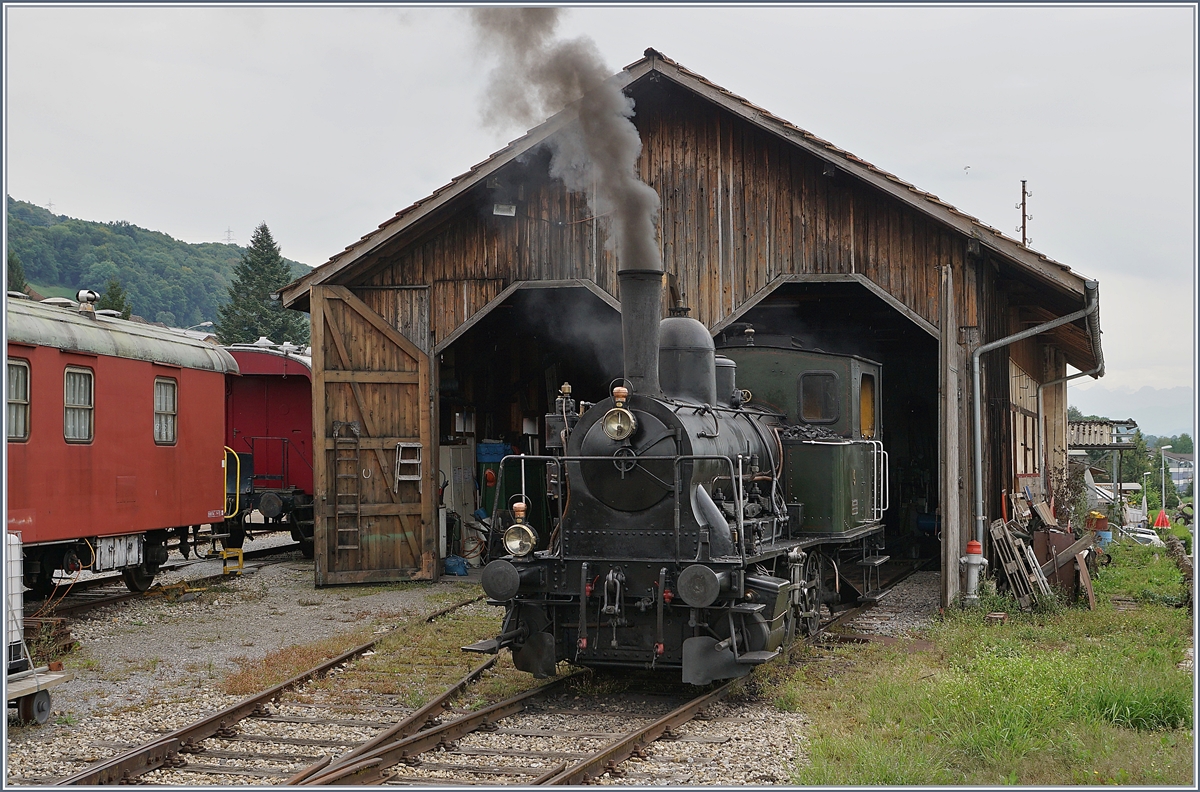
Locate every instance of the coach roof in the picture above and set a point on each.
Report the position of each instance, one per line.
(74, 331)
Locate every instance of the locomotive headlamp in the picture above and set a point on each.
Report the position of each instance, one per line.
(619, 423)
(520, 539)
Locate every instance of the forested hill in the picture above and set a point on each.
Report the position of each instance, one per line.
(169, 281)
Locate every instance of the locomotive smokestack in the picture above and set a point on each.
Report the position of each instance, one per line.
(597, 156)
(641, 307)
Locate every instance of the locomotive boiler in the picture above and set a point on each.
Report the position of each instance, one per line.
(707, 514)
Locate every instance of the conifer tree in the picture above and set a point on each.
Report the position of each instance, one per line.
(114, 298)
(16, 273)
(250, 312)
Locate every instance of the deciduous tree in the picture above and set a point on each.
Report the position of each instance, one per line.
(16, 273)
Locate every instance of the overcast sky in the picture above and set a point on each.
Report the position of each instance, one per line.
(325, 121)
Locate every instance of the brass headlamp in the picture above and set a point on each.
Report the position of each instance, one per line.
(619, 423)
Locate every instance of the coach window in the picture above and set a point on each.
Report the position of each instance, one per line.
(164, 410)
(78, 403)
(18, 400)
(819, 397)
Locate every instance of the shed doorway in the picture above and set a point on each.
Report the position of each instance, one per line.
(498, 377)
(845, 317)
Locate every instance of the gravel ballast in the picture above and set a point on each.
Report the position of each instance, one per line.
(148, 666)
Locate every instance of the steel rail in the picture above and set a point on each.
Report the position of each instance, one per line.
(421, 719)
(366, 770)
(608, 757)
(165, 751)
(63, 607)
(854, 612)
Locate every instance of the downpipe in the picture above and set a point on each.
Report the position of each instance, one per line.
(1092, 291)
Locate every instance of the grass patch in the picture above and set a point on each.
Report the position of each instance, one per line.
(411, 663)
(1143, 573)
(1059, 696)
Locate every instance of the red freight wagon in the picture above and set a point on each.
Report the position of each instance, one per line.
(268, 423)
(115, 438)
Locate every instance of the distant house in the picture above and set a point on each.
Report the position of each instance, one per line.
(1182, 468)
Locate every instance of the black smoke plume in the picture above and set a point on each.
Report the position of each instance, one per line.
(539, 75)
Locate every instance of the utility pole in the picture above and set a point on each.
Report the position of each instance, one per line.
(228, 236)
(1025, 216)
(50, 207)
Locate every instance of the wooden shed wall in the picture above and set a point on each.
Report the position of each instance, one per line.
(740, 207)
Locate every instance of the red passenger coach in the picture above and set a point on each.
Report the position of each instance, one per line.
(268, 423)
(115, 438)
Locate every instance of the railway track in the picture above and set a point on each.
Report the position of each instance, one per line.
(104, 590)
(560, 733)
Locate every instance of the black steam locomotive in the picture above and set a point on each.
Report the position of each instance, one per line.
(704, 514)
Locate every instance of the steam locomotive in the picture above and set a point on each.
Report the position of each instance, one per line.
(704, 512)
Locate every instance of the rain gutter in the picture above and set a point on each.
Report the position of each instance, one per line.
(1092, 293)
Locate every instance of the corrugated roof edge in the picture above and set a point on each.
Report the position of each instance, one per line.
(48, 325)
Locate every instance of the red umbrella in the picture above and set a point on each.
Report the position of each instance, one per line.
(1162, 521)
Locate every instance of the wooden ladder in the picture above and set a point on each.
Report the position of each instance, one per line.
(347, 498)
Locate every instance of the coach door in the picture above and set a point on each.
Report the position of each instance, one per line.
(374, 483)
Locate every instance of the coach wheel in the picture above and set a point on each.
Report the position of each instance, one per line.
(34, 708)
(137, 579)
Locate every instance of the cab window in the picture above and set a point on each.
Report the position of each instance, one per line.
(866, 405)
(819, 397)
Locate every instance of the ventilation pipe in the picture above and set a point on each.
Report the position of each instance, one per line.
(1092, 312)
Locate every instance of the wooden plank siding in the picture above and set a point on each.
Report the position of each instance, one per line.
(742, 211)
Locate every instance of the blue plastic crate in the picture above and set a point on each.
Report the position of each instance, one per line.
(491, 452)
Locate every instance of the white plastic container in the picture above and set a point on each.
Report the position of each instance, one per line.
(14, 586)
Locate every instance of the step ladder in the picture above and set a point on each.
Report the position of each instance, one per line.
(870, 565)
(347, 496)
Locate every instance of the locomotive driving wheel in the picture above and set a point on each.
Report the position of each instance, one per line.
(810, 597)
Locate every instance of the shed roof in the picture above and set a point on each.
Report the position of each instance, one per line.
(1045, 270)
(40, 324)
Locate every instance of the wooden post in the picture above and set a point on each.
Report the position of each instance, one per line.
(948, 437)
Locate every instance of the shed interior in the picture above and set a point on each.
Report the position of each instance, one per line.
(847, 318)
(506, 370)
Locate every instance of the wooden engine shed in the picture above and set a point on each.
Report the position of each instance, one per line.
(462, 314)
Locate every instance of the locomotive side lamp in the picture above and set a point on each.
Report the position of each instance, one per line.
(619, 422)
(520, 539)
